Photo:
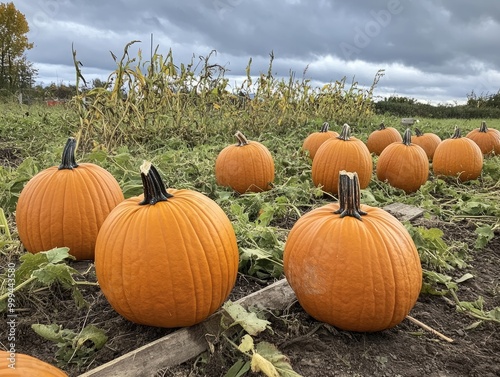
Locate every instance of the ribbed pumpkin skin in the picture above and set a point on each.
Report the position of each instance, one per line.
(337, 154)
(27, 366)
(403, 166)
(171, 264)
(58, 208)
(381, 138)
(458, 156)
(313, 141)
(487, 139)
(248, 167)
(428, 142)
(355, 275)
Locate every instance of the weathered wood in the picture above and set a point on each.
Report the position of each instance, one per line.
(408, 121)
(404, 212)
(186, 343)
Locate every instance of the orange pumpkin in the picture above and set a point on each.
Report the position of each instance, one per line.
(245, 166)
(341, 153)
(403, 165)
(22, 365)
(353, 266)
(381, 138)
(66, 206)
(428, 141)
(458, 156)
(487, 139)
(166, 258)
(314, 140)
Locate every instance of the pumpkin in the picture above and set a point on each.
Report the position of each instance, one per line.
(166, 258)
(458, 156)
(245, 166)
(403, 165)
(66, 205)
(353, 266)
(487, 139)
(22, 365)
(341, 153)
(314, 140)
(381, 138)
(428, 141)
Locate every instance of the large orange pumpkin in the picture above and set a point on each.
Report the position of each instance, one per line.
(487, 139)
(341, 153)
(66, 205)
(428, 141)
(245, 166)
(381, 138)
(314, 140)
(458, 157)
(22, 365)
(353, 266)
(403, 165)
(166, 258)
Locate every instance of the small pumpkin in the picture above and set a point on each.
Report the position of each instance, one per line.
(166, 258)
(314, 140)
(403, 165)
(487, 139)
(428, 141)
(458, 156)
(381, 138)
(353, 266)
(341, 153)
(22, 365)
(245, 166)
(66, 205)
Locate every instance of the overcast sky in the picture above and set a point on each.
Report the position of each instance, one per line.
(437, 51)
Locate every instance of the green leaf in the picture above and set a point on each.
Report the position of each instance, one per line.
(56, 273)
(485, 234)
(239, 368)
(248, 320)
(93, 334)
(280, 362)
(50, 332)
(57, 255)
(464, 277)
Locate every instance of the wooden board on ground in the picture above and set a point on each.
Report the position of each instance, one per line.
(189, 342)
(404, 212)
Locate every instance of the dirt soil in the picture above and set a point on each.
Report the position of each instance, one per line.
(314, 349)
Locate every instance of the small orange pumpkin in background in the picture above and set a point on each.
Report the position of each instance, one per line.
(314, 140)
(428, 141)
(65, 206)
(353, 266)
(487, 139)
(381, 138)
(341, 153)
(166, 258)
(403, 165)
(458, 156)
(26, 366)
(245, 166)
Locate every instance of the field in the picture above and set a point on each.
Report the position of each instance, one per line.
(457, 239)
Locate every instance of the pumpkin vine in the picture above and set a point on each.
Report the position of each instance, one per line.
(68, 155)
(349, 196)
(154, 189)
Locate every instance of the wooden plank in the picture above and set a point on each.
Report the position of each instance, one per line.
(408, 121)
(189, 342)
(404, 212)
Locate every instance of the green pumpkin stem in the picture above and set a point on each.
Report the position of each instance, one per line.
(407, 137)
(418, 132)
(456, 133)
(68, 155)
(154, 189)
(349, 196)
(242, 140)
(483, 127)
(345, 133)
(324, 127)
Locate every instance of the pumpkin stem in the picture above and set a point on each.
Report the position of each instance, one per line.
(324, 127)
(483, 127)
(381, 126)
(68, 155)
(407, 137)
(345, 133)
(418, 132)
(242, 140)
(349, 195)
(456, 133)
(154, 189)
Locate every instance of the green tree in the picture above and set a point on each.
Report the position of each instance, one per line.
(16, 71)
